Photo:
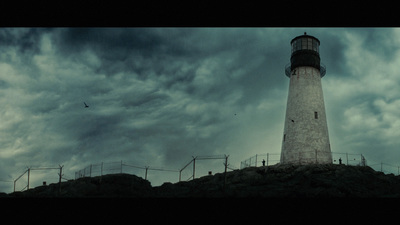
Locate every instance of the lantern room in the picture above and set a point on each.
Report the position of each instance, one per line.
(305, 42)
(305, 52)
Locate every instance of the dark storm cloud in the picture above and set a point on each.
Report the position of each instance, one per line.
(25, 40)
(121, 45)
(332, 53)
(163, 53)
(108, 40)
(379, 42)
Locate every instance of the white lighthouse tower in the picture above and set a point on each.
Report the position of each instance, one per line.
(305, 136)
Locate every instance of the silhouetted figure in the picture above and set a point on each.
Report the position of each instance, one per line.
(86, 106)
(263, 162)
(340, 161)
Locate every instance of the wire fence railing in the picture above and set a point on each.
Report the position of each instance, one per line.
(26, 179)
(185, 173)
(348, 159)
(385, 167)
(32, 176)
(104, 168)
(261, 159)
(304, 157)
(188, 171)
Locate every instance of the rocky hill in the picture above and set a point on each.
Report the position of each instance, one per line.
(290, 181)
(272, 181)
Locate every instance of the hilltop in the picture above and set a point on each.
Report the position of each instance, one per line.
(290, 181)
(273, 181)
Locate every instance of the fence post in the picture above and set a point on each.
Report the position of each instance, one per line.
(29, 173)
(145, 175)
(90, 171)
(267, 158)
(362, 163)
(101, 172)
(226, 166)
(121, 166)
(256, 160)
(347, 158)
(59, 180)
(194, 166)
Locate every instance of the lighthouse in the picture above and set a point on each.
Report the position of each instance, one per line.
(305, 136)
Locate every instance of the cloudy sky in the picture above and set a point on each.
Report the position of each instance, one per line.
(158, 96)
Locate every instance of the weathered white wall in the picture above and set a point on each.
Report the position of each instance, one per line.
(306, 139)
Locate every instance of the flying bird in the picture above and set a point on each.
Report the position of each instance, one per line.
(86, 106)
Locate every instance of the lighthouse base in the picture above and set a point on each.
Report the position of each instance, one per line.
(306, 157)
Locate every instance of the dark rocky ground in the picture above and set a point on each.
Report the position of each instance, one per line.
(274, 181)
(279, 194)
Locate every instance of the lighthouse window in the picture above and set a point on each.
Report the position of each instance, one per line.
(315, 45)
(316, 115)
(296, 45)
(309, 44)
(304, 43)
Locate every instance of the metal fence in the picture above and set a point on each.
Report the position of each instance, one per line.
(187, 172)
(304, 157)
(385, 167)
(258, 159)
(103, 168)
(25, 181)
(349, 159)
